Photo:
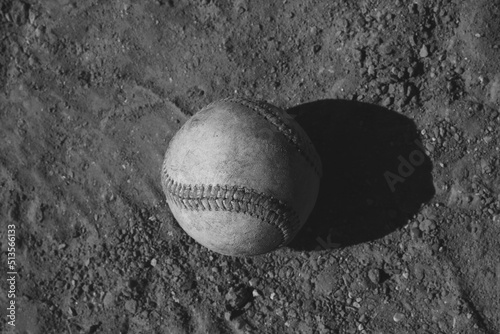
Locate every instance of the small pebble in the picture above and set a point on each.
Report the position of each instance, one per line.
(398, 317)
(72, 312)
(374, 275)
(387, 101)
(424, 52)
(415, 233)
(427, 225)
(108, 300)
(131, 305)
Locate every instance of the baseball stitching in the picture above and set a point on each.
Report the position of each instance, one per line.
(241, 199)
(303, 146)
(234, 199)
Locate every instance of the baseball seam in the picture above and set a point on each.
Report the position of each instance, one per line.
(234, 199)
(302, 145)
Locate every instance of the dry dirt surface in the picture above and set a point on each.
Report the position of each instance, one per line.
(401, 99)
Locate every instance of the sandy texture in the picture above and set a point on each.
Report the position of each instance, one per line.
(400, 98)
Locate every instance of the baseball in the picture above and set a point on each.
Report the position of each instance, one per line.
(241, 177)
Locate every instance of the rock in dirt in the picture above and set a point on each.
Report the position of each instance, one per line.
(109, 299)
(131, 305)
(374, 275)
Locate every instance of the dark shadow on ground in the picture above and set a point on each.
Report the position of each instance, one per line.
(376, 174)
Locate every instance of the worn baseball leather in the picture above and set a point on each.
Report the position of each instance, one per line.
(241, 177)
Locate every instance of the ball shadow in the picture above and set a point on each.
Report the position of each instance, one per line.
(376, 174)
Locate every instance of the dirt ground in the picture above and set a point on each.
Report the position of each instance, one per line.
(401, 99)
